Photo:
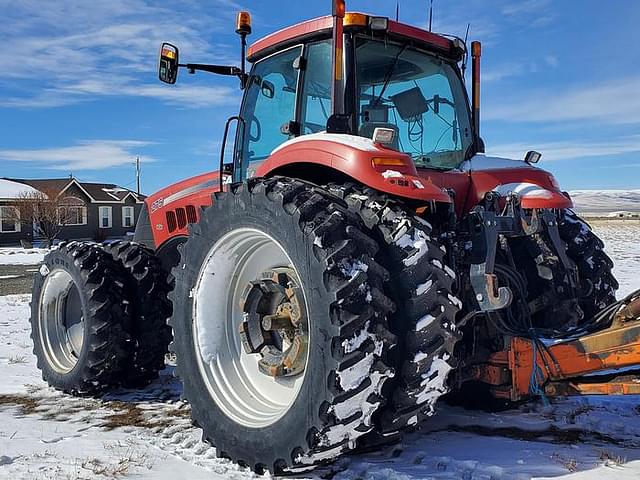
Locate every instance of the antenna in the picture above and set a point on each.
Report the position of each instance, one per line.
(397, 11)
(430, 14)
(466, 54)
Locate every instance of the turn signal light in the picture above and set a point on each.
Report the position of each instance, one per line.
(355, 20)
(243, 23)
(167, 52)
(388, 162)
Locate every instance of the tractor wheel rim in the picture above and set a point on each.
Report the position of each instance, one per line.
(232, 376)
(61, 321)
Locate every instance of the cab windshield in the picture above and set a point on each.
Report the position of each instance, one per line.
(419, 96)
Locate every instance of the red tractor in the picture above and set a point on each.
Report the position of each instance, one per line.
(357, 258)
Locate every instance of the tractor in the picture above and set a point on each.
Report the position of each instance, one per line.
(357, 258)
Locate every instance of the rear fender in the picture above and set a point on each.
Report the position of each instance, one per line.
(352, 156)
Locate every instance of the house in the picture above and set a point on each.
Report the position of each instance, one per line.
(92, 211)
(622, 214)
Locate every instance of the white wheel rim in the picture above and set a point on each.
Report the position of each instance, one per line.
(60, 321)
(234, 381)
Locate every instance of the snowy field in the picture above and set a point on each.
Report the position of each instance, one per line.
(147, 434)
(21, 256)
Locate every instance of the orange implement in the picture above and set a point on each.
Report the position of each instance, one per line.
(562, 364)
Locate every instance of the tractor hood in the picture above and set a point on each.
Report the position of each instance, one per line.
(536, 187)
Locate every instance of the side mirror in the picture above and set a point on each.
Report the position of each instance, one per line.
(168, 63)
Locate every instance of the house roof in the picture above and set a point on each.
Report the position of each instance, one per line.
(97, 192)
(12, 190)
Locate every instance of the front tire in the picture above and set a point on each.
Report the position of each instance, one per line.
(280, 421)
(597, 284)
(78, 320)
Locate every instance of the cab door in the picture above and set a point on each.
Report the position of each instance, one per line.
(268, 108)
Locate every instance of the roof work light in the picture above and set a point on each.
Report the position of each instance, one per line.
(243, 23)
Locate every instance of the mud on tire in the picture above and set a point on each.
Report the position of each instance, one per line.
(146, 290)
(342, 285)
(598, 284)
(79, 281)
(421, 287)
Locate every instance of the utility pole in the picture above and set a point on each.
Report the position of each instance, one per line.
(138, 175)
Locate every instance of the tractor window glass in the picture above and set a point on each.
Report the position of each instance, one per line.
(269, 105)
(316, 91)
(419, 96)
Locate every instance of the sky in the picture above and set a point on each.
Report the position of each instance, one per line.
(79, 92)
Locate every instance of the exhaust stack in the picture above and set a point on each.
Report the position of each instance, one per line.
(476, 53)
(337, 91)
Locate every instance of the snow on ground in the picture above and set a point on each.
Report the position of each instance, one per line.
(147, 434)
(21, 256)
(605, 201)
(622, 243)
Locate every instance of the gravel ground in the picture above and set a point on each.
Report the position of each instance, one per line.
(16, 279)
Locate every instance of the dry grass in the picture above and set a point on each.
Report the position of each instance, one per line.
(610, 459)
(131, 415)
(571, 464)
(27, 404)
(127, 456)
(17, 359)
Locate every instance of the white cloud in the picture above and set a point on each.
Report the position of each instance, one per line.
(613, 102)
(569, 149)
(65, 52)
(525, 7)
(86, 155)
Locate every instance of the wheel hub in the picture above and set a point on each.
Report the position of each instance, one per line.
(275, 326)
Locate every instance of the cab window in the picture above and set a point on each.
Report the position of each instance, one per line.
(269, 105)
(316, 90)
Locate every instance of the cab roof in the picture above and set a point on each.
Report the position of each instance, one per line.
(322, 27)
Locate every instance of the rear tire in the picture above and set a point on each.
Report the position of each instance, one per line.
(597, 284)
(77, 319)
(421, 286)
(147, 290)
(317, 415)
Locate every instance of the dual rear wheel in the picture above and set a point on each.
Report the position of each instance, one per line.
(283, 346)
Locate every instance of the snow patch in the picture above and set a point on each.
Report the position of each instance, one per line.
(423, 287)
(424, 322)
(434, 381)
(524, 190)
(21, 256)
(352, 344)
(392, 174)
(418, 241)
(351, 268)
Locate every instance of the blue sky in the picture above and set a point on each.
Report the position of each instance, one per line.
(79, 92)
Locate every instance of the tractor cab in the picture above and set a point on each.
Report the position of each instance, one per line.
(393, 79)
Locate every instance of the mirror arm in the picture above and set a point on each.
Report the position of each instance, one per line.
(217, 69)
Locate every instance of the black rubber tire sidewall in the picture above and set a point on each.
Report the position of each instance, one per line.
(58, 260)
